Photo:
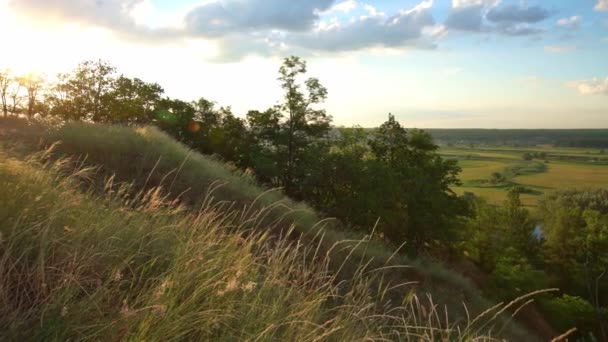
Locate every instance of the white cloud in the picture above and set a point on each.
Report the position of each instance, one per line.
(571, 23)
(404, 29)
(602, 5)
(467, 3)
(344, 6)
(109, 13)
(242, 27)
(594, 86)
(372, 11)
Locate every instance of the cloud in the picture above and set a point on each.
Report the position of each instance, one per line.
(376, 30)
(559, 48)
(261, 27)
(467, 18)
(510, 20)
(571, 23)
(220, 18)
(108, 13)
(467, 3)
(594, 86)
(344, 6)
(513, 14)
(118, 16)
(516, 30)
(602, 5)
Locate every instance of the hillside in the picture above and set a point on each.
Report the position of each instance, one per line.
(134, 236)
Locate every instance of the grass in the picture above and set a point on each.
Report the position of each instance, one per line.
(566, 168)
(479, 169)
(568, 175)
(147, 198)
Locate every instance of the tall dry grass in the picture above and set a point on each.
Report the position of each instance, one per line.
(79, 264)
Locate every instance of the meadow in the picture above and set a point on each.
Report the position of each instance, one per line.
(553, 168)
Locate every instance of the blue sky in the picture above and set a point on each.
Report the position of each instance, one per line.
(441, 63)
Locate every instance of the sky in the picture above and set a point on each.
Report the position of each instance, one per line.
(432, 63)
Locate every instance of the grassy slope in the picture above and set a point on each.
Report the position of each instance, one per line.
(161, 242)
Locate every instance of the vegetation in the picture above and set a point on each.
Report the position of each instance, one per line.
(594, 138)
(490, 172)
(234, 261)
(128, 261)
(564, 247)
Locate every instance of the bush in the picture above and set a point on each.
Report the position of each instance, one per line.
(568, 312)
(513, 276)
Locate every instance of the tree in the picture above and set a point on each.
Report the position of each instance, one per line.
(303, 123)
(289, 129)
(265, 129)
(5, 82)
(422, 205)
(32, 83)
(575, 225)
(85, 93)
(16, 97)
(132, 101)
(176, 117)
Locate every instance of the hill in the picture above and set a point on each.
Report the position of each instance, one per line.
(134, 236)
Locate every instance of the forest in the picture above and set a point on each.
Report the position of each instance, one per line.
(597, 138)
(390, 181)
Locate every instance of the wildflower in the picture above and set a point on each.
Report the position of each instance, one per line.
(162, 289)
(250, 286)
(117, 276)
(232, 285)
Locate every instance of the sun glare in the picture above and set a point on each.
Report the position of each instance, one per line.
(49, 50)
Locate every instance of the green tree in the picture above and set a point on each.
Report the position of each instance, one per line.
(288, 130)
(303, 123)
(576, 232)
(176, 117)
(85, 93)
(265, 128)
(423, 206)
(132, 101)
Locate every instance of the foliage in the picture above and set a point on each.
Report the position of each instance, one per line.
(513, 275)
(573, 311)
(295, 126)
(122, 263)
(576, 232)
(497, 228)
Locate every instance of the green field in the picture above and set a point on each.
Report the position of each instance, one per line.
(559, 169)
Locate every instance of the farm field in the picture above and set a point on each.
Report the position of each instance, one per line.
(490, 171)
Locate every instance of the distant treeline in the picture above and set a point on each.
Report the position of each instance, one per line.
(595, 138)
